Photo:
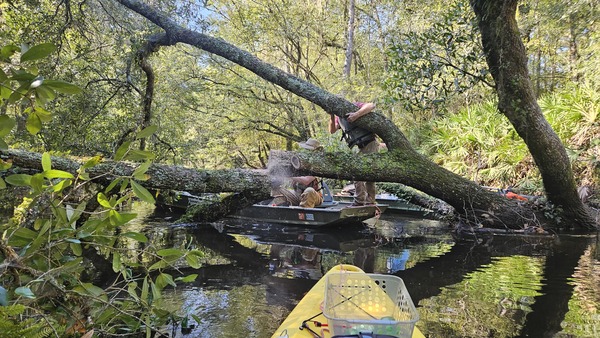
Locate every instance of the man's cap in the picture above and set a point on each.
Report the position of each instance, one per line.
(311, 144)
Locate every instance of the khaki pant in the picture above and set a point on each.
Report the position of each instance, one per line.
(309, 198)
(365, 191)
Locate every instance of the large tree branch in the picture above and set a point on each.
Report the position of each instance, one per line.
(332, 104)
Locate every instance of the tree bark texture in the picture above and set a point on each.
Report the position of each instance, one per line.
(459, 190)
(507, 60)
(250, 182)
(477, 205)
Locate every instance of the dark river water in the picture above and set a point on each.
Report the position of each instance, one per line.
(506, 286)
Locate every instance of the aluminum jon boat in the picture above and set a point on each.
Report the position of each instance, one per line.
(327, 214)
(312, 317)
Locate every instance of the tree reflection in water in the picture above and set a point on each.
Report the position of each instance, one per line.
(255, 273)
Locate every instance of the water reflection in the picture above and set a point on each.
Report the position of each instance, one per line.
(509, 286)
(490, 302)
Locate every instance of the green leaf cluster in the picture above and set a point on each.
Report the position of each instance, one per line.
(52, 233)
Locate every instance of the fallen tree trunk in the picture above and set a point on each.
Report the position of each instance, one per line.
(161, 176)
(476, 204)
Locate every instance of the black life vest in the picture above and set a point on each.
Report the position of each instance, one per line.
(354, 135)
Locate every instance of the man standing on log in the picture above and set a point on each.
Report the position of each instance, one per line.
(366, 143)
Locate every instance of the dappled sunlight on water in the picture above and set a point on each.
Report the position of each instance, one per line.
(583, 318)
(490, 302)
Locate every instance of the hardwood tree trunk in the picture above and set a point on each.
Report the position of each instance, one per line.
(507, 60)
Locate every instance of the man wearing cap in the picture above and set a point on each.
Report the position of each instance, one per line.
(305, 191)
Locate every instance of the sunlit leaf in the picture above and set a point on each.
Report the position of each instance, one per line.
(92, 162)
(139, 172)
(103, 200)
(140, 155)
(112, 185)
(54, 173)
(116, 262)
(33, 124)
(37, 182)
(120, 153)
(19, 180)
(5, 164)
(170, 252)
(156, 295)
(60, 186)
(76, 248)
(193, 261)
(38, 52)
(119, 219)
(136, 236)
(188, 278)
(25, 233)
(6, 125)
(141, 192)
(43, 114)
(148, 131)
(24, 291)
(15, 96)
(2, 183)
(144, 295)
(158, 265)
(7, 51)
(132, 290)
(3, 144)
(5, 93)
(165, 279)
(45, 94)
(63, 87)
(46, 161)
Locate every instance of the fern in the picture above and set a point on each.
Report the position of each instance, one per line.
(12, 325)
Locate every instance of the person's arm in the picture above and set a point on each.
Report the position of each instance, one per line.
(362, 111)
(305, 180)
(333, 125)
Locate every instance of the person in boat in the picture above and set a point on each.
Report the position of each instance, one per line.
(305, 190)
(366, 143)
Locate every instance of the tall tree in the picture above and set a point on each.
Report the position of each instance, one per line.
(507, 61)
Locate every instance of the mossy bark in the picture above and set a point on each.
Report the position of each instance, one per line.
(161, 176)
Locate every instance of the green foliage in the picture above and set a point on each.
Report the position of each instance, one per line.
(431, 67)
(50, 233)
(480, 143)
(13, 325)
(574, 115)
(20, 81)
